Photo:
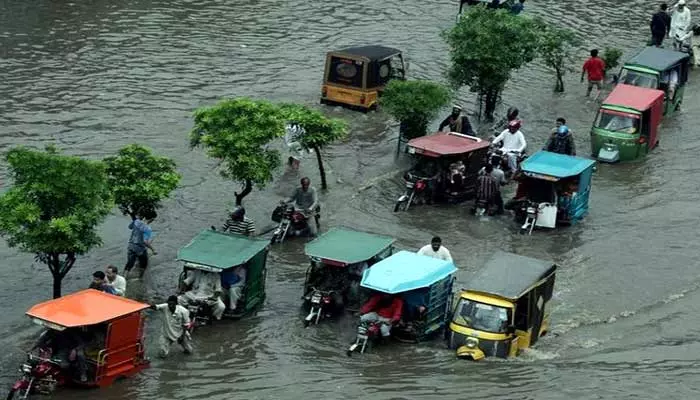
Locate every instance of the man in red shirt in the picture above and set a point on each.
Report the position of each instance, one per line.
(595, 67)
(383, 308)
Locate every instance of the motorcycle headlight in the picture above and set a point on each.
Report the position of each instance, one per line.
(471, 343)
(26, 368)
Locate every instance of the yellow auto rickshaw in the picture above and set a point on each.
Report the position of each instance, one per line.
(356, 76)
(503, 310)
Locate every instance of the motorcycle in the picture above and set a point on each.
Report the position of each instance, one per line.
(321, 305)
(366, 332)
(413, 192)
(200, 313)
(291, 222)
(530, 209)
(496, 156)
(40, 374)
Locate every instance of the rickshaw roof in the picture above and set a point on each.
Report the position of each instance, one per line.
(443, 144)
(347, 246)
(373, 53)
(405, 271)
(555, 164)
(657, 58)
(86, 307)
(510, 275)
(635, 97)
(221, 250)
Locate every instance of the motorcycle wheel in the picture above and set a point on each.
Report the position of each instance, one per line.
(306, 323)
(11, 394)
(397, 207)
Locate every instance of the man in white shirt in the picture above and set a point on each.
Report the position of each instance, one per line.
(436, 250)
(513, 143)
(115, 280)
(206, 287)
(680, 23)
(175, 320)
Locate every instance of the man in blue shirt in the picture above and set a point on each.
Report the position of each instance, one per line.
(518, 7)
(140, 241)
(233, 281)
(98, 283)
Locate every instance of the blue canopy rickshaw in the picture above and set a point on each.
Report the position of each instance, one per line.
(553, 190)
(425, 286)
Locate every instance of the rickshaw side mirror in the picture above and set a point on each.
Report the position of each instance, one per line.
(510, 330)
(663, 86)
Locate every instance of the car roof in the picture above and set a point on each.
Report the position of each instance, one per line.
(634, 97)
(657, 58)
(443, 144)
(220, 250)
(347, 246)
(555, 164)
(83, 308)
(405, 271)
(509, 275)
(373, 53)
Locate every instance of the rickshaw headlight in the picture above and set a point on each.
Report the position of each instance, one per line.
(471, 343)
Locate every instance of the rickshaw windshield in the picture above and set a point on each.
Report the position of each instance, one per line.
(639, 79)
(480, 316)
(615, 121)
(345, 71)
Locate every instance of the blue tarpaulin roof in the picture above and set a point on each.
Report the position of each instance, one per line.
(555, 164)
(406, 271)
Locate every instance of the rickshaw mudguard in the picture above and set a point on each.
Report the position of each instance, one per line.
(474, 354)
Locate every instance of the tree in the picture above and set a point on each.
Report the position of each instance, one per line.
(318, 131)
(53, 207)
(556, 46)
(414, 104)
(139, 179)
(485, 47)
(611, 58)
(237, 132)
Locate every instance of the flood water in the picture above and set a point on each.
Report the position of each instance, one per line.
(94, 75)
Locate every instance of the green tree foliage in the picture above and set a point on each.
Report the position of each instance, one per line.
(611, 57)
(556, 47)
(53, 207)
(414, 104)
(485, 47)
(237, 132)
(319, 131)
(139, 179)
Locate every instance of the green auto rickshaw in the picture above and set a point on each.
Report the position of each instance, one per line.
(662, 69)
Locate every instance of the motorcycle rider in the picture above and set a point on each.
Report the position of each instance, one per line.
(238, 223)
(306, 199)
(67, 346)
(206, 287)
(680, 24)
(176, 318)
(457, 122)
(513, 143)
(384, 309)
(561, 141)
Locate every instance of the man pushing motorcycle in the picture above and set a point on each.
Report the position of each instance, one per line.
(306, 199)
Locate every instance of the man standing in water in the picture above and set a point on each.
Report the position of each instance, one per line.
(595, 67)
(660, 26)
(139, 241)
(176, 318)
(680, 24)
(436, 250)
(457, 122)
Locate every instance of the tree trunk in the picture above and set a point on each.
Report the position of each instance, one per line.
(490, 103)
(321, 170)
(560, 81)
(59, 269)
(247, 188)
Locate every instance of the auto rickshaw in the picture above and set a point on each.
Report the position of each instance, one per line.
(424, 286)
(553, 190)
(224, 254)
(504, 309)
(653, 67)
(110, 329)
(338, 259)
(627, 124)
(446, 167)
(356, 76)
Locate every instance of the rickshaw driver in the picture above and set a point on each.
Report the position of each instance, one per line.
(384, 309)
(306, 199)
(458, 123)
(513, 143)
(68, 347)
(206, 287)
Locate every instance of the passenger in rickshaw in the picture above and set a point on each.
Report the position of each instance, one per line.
(456, 177)
(457, 122)
(566, 191)
(233, 281)
(535, 190)
(204, 287)
(382, 308)
(670, 78)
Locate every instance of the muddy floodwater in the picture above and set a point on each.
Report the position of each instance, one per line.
(92, 76)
